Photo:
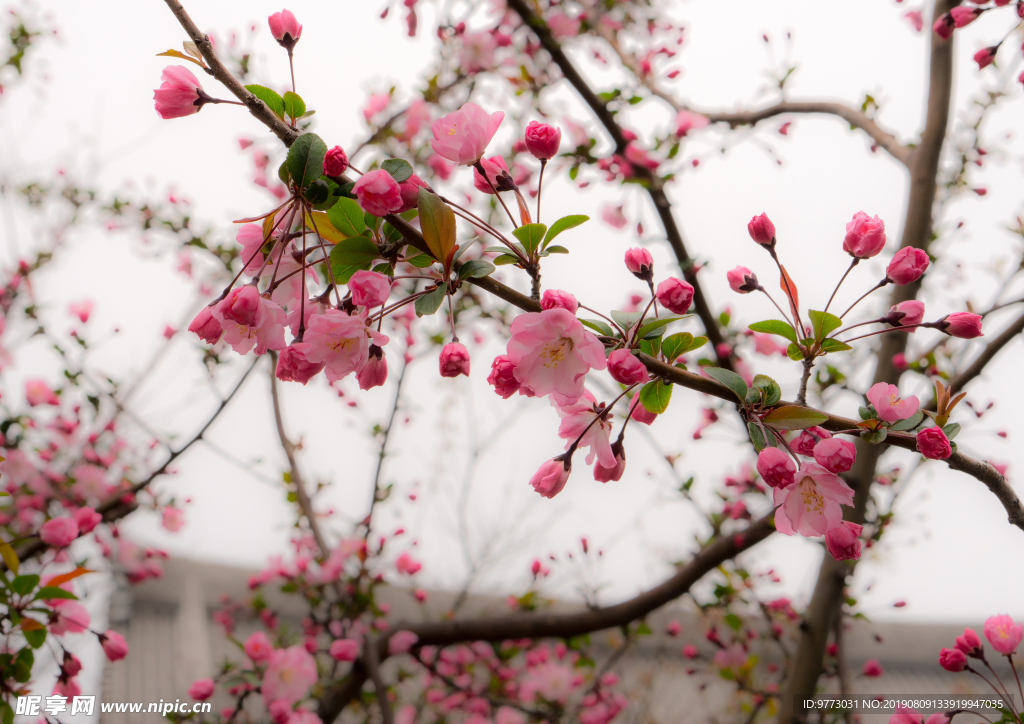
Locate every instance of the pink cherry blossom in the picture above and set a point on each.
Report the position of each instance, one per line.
(179, 94)
(407, 565)
(843, 541)
(639, 262)
(675, 295)
(375, 104)
(835, 455)
(963, 17)
(813, 505)
(556, 298)
(441, 168)
(562, 26)
(638, 156)
(114, 646)
(581, 418)
(969, 643)
(258, 647)
(906, 314)
(964, 325)
(401, 642)
(761, 230)
(776, 468)
(378, 193)
(625, 368)
(206, 327)
(613, 216)
(344, 650)
(340, 341)
(87, 519)
(1004, 634)
(907, 266)
(551, 477)
(248, 319)
(872, 668)
(986, 56)
(294, 366)
(369, 288)
(58, 532)
(477, 53)
(542, 140)
(952, 660)
(889, 406)
(742, 280)
(71, 618)
(201, 689)
(82, 309)
(335, 161)
(502, 377)
(172, 518)
(454, 360)
(552, 353)
(463, 136)
(933, 444)
(285, 28)
(494, 166)
(944, 26)
(687, 121)
(865, 236)
(375, 372)
(915, 19)
(611, 474)
(289, 675)
(410, 190)
(37, 392)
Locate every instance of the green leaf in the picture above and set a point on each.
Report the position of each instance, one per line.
(555, 249)
(530, 235)
(874, 436)
(475, 268)
(271, 98)
(399, 168)
(951, 430)
(756, 437)
(823, 324)
(909, 424)
(350, 255)
(794, 352)
(658, 323)
(22, 585)
(10, 556)
(47, 592)
(429, 303)
(505, 259)
(35, 637)
(564, 224)
(865, 413)
(775, 326)
(734, 622)
(676, 345)
(697, 343)
(626, 319)
(437, 221)
(794, 417)
(598, 326)
(23, 665)
(295, 107)
(655, 396)
(730, 379)
(306, 159)
(833, 345)
(770, 388)
(347, 217)
(420, 261)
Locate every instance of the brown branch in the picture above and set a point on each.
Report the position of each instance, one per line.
(371, 656)
(993, 348)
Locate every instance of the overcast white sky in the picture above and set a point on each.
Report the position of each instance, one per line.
(951, 556)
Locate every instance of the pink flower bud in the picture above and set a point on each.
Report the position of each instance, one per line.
(625, 368)
(962, 17)
(952, 660)
(776, 468)
(742, 280)
(551, 477)
(401, 642)
(375, 372)
(114, 645)
(1004, 634)
(687, 121)
(944, 26)
(674, 628)
(285, 29)
(454, 360)
(294, 366)
(378, 193)
(690, 651)
(985, 56)
(762, 230)
(835, 455)
(502, 377)
(865, 236)
(933, 444)
(59, 532)
(369, 288)
(463, 136)
(640, 263)
(872, 668)
(906, 314)
(344, 650)
(553, 298)
(206, 327)
(410, 190)
(964, 325)
(907, 265)
(335, 162)
(179, 95)
(87, 519)
(899, 361)
(640, 413)
(675, 295)
(915, 19)
(806, 441)
(843, 542)
(497, 172)
(969, 643)
(201, 689)
(258, 647)
(241, 305)
(37, 392)
(542, 140)
(612, 474)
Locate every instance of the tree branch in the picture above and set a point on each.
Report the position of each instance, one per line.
(991, 350)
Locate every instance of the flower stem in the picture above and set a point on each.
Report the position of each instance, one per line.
(855, 262)
(540, 185)
(863, 296)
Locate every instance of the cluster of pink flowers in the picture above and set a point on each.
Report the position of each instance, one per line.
(961, 17)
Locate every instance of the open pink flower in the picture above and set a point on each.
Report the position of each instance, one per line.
(552, 353)
(552, 476)
(887, 403)
(401, 642)
(369, 289)
(248, 319)
(172, 518)
(179, 94)
(865, 236)
(463, 136)
(813, 505)
(375, 372)
(340, 341)
(82, 309)
(687, 121)
(258, 647)
(454, 360)
(59, 532)
(502, 377)
(294, 366)
(289, 675)
(583, 416)
(378, 193)
(37, 392)
(206, 327)
(1003, 633)
(613, 216)
(285, 28)
(407, 565)
(843, 541)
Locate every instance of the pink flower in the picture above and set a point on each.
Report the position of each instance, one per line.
(762, 230)
(865, 236)
(335, 162)
(552, 476)
(640, 263)
(581, 419)
(37, 392)
(179, 94)
(542, 140)
(441, 168)
(835, 455)
(410, 190)
(201, 689)
(344, 650)
(463, 136)
(872, 668)
(687, 121)
(944, 26)
(675, 295)
(888, 405)
(369, 289)
(59, 532)
(73, 618)
(375, 104)
(906, 314)
(640, 413)
(172, 518)
(87, 519)
(638, 156)
(805, 442)
(293, 365)
(81, 309)
(454, 360)
(285, 29)
(613, 216)
(247, 319)
(963, 17)
(494, 167)
(964, 325)
(1003, 633)
(673, 629)
(813, 505)
(905, 715)
(502, 377)
(611, 474)
(401, 642)
(915, 19)
(375, 372)
(907, 265)
(114, 646)
(969, 643)
(933, 443)
(340, 341)
(406, 564)
(953, 660)
(552, 353)
(562, 26)
(258, 647)
(690, 651)
(67, 687)
(206, 327)
(985, 56)
(742, 280)
(776, 468)
(378, 193)
(289, 675)
(557, 299)
(624, 367)
(843, 541)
